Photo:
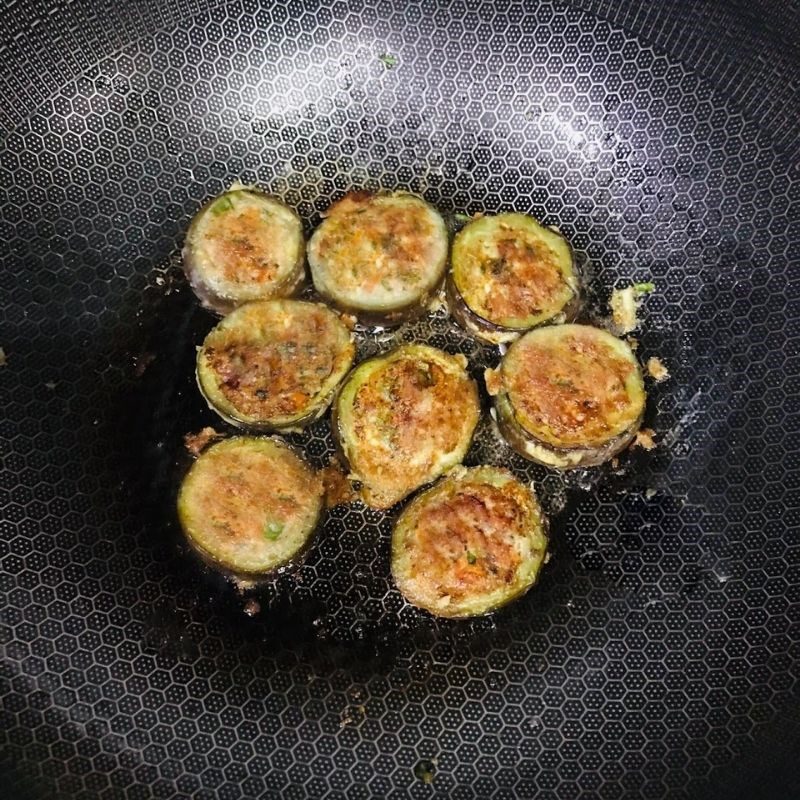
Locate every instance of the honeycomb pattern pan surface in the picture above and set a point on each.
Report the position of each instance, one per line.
(657, 658)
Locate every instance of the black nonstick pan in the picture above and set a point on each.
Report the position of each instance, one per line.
(657, 657)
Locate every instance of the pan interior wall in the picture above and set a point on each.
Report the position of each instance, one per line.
(657, 656)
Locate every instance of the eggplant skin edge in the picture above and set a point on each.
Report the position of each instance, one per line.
(495, 333)
(388, 316)
(539, 527)
(223, 304)
(492, 333)
(371, 499)
(391, 318)
(534, 449)
(288, 424)
(244, 576)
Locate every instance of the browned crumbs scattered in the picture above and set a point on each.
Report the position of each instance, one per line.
(195, 443)
(644, 438)
(142, 362)
(349, 321)
(656, 369)
(252, 607)
(438, 302)
(352, 715)
(633, 342)
(242, 585)
(338, 490)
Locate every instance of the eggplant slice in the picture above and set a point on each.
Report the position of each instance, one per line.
(470, 544)
(274, 364)
(249, 506)
(404, 418)
(510, 274)
(568, 395)
(244, 245)
(380, 256)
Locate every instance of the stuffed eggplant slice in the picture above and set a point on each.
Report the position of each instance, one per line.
(470, 544)
(243, 245)
(404, 418)
(380, 256)
(274, 364)
(568, 395)
(250, 505)
(509, 274)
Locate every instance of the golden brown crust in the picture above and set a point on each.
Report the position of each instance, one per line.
(645, 438)
(404, 418)
(350, 203)
(524, 279)
(575, 389)
(379, 254)
(470, 544)
(195, 443)
(277, 378)
(512, 274)
(410, 403)
(338, 489)
(249, 505)
(494, 381)
(656, 369)
(274, 360)
(243, 247)
(399, 233)
(465, 543)
(236, 504)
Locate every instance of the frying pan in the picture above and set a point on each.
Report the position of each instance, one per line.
(658, 656)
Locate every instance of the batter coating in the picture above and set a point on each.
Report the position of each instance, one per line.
(472, 543)
(568, 395)
(510, 274)
(379, 256)
(274, 364)
(243, 245)
(404, 418)
(249, 505)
